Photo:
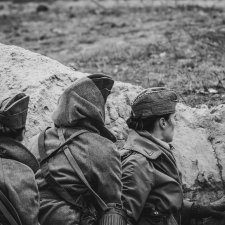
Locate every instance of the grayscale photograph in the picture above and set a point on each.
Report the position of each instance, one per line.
(112, 112)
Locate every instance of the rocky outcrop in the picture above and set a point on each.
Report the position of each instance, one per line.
(200, 133)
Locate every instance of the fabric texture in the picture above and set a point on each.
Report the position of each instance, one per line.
(13, 111)
(81, 100)
(153, 102)
(104, 84)
(84, 101)
(152, 191)
(14, 150)
(95, 153)
(17, 180)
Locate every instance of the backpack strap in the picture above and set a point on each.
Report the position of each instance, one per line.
(55, 186)
(79, 172)
(8, 210)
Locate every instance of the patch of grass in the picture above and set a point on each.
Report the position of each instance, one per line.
(149, 43)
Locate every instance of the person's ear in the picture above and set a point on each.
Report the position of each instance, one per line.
(162, 123)
(21, 135)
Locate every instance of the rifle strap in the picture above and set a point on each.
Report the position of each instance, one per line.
(79, 172)
(55, 186)
(8, 210)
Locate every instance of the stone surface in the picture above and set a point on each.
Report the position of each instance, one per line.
(200, 133)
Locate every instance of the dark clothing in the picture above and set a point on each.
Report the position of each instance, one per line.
(152, 192)
(81, 106)
(17, 180)
(98, 159)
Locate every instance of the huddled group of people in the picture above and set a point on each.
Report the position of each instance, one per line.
(73, 173)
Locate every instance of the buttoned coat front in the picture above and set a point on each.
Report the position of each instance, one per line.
(152, 186)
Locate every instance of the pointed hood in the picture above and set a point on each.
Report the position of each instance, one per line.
(85, 99)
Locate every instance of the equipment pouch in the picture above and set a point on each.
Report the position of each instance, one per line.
(89, 215)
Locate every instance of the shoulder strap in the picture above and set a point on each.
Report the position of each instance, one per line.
(43, 155)
(79, 172)
(8, 210)
(56, 187)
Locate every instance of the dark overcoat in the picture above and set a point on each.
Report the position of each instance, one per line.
(80, 107)
(152, 187)
(17, 179)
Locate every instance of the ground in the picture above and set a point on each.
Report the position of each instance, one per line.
(178, 44)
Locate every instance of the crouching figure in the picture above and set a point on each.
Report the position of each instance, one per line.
(152, 187)
(19, 198)
(80, 175)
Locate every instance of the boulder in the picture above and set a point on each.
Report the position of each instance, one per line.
(200, 135)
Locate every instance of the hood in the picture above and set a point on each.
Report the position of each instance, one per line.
(82, 100)
(85, 101)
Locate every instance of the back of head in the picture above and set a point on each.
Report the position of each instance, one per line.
(85, 99)
(13, 115)
(151, 104)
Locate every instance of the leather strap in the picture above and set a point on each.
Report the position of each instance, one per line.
(79, 172)
(8, 210)
(47, 157)
(55, 186)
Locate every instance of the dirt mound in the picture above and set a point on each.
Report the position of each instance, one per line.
(200, 134)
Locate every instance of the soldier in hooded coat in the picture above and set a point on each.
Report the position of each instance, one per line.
(80, 107)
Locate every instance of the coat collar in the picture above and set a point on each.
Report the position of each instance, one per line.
(12, 149)
(144, 143)
(94, 126)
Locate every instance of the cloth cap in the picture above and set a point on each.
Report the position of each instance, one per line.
(153, 102)
(13, 111)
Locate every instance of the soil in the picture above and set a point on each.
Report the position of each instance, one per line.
(177, 44)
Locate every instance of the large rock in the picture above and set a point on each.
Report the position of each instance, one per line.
(199, 138)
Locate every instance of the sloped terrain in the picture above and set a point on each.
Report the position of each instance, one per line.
(199, 138)
(174, 43)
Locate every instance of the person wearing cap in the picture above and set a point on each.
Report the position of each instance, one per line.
(18, 189)
(152, 186)
(81, 107)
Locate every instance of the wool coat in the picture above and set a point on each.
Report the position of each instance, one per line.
(152, 187)
(17, 179)
(81, 107)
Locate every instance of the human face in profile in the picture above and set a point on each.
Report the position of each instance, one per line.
(168, 127)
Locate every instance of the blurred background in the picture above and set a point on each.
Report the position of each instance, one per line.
(179, 44)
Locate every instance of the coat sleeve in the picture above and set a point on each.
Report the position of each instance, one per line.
(186, 212)
(137, 180)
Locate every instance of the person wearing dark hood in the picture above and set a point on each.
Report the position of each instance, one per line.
(79, 118)
(19, 197)
(152, 187)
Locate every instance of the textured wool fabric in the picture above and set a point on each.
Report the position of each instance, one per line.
(81, 100)
(13, 111)
(81, 107)
(153, 102)
(14, 150)
(103, 82)
(17, 179)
